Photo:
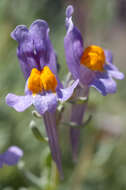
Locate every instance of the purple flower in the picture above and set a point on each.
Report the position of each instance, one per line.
(43, 89)
(92, 66)
(11, 156)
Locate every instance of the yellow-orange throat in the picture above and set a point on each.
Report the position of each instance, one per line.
(42, 80)
(94, 58)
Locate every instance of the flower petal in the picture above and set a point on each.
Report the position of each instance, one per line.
(25, 50)
(50, 123)
(111, 68)
(12, 155)
(73, 44)
(65, 94)
(86, 75)
(45, 103)
(19, 33)
(34, 47)
(19, 103)
(104, 84)
(45, 54)
(69, 11)
(113, 71)
(109, 57)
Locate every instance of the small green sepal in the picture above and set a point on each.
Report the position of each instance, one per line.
(36, 114)
(80, 100)
(37, 133)
(74, 125)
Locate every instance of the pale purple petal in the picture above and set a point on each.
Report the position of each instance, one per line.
(73, 44)
(25, 50)
(113, 71)
(111, 68)
(20, 33)
(44, 103)
(66, 93)
(50, 123)
(108, 55)
(19, 103)
(12, 155)
(104, 84)
(44, 52)
(39, 34)
(86, 75)
(34, 47)
(69, 11)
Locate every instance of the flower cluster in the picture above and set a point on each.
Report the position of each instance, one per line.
(90, 67)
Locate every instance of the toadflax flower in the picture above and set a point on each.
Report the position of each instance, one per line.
(91, 65)
(11, 156)
(43, 88)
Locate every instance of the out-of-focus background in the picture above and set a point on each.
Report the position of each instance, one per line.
(102, 155)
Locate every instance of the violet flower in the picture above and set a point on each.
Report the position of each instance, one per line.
(92, 66)
(43, 89)
(11, 156)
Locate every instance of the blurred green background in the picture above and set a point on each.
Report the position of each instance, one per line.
(102, 155)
